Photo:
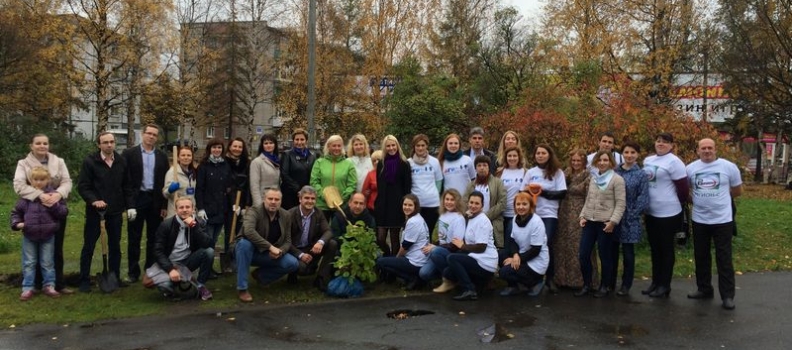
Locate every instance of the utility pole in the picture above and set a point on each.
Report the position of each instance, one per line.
(311, 108)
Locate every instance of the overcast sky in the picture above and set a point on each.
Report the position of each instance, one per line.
(528, 8)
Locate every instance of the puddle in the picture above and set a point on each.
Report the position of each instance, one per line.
(405, 314)
(494, 334)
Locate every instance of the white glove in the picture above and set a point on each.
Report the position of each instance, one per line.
(237, 209)
(131, 214)
(202, 215)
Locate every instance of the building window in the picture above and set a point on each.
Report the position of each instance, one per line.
(227, 133)
(210, 132)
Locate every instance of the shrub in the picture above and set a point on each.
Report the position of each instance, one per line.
(359, 253)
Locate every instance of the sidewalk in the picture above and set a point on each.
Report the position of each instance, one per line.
(762, 320)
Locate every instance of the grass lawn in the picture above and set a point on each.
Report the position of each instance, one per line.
(763, 244)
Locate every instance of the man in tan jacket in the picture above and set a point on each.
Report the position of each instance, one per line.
(264, 241)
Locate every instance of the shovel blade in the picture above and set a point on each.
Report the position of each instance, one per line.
(108, 282)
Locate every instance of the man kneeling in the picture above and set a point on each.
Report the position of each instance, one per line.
(181, 245)
(312, 241)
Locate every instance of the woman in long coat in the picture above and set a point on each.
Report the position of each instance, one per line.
(394, 181)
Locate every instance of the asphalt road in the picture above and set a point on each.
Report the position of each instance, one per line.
(762, 320)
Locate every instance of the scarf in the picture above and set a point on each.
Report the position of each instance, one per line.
(603, 179)
(482, 180)
(452, 156)
(391, 167)
(522, 220)
(216, 160)
(272, 157)
(302, 152)
(420, 160)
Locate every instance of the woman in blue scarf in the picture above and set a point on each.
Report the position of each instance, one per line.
(296, 166)
(265, 169)
(601, 214)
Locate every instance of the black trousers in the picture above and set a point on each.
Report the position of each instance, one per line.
(661, 234)
(150, 216)
(721, 235)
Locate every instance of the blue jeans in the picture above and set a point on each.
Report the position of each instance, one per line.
(551, 226)
(271, 269)
(399, 266)
(34, 253)
(593, 234)
(91, 234)
(628, 274)
(466, 271)
(435, 265)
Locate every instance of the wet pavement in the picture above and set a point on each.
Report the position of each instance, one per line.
(762, 320)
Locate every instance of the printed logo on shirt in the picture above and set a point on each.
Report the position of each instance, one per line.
(423, 169)
(535, 178)
(454, 170)
(707, 181)
(507, 181)
(441, 230)
(651, 173)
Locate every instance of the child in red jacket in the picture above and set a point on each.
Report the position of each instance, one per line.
(39, 224)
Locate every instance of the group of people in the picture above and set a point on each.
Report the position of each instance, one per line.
(535, 227)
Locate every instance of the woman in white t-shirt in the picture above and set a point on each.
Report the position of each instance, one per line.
(548, 175)
(475, 265)
(529, 257)
(427, 179)
(668, 191)
(450, 225)
(409, 260)
(458, 169)
(359, 153)
(514, 177)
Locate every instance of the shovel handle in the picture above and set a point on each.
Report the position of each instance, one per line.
(234, 219)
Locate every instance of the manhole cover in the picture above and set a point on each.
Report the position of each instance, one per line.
(405, 314)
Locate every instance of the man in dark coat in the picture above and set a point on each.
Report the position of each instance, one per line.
(182, 245)
(105, 187)
(312, 241)
(147, 167)
(477, 147)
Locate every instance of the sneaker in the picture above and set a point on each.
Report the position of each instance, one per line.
(50, 292)
(204, 293)
(26, 295)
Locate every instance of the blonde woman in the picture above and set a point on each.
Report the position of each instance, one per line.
(394, 181)
(358, 152)
(182, 183)
(333, 169)
(510, 139)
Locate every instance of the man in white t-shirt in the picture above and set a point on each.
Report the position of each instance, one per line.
(714, 182)
(606, 143)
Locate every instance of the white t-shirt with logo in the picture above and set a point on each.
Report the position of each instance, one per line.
(424, 178)
(479, 231)
(484, 189)
(547, 208)
(514, 180)
(710, 184)
(533, 234)
(457, 174)
(415, 231)
(662, 171)
(450, 225)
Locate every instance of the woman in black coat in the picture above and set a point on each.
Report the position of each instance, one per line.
(239, 162)
(212, 188)
(394, 181)
(296, 165)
